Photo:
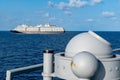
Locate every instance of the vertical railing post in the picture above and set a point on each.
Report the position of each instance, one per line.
(48, 64)
(8, 75)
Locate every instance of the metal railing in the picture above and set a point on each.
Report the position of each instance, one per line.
(13, 72)
(116, 50)
(47, 69)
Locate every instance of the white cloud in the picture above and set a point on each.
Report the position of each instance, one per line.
(65, 6)
(50, 3)
(108, 14)
(93, 2)
(90, 20)
(77, 3)
(62, 6)
(72, 4)
(46, 15)
(67, 12)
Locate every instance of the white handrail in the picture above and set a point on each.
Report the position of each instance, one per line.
(116, 50)
(13, 72)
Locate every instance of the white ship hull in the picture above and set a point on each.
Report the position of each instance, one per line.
(38, 32)
(44, 29)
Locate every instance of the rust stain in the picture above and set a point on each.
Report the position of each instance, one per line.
(73, 65)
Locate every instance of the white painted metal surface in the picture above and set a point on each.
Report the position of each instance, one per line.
(48, 65)
(84, 65)
(109, 63)
(90, 42)
(63, 67)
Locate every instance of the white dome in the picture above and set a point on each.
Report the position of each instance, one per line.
(90, 42)
(84, 65)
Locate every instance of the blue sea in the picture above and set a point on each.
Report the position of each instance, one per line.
(19, 50)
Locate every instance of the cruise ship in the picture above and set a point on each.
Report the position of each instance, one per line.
(39, 29)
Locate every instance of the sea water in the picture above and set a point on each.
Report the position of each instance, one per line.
(19, 50)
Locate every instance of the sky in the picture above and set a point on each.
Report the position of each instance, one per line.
(73, 15)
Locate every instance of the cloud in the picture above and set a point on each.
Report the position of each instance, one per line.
(46, 15)
(66, 6)
(77, 3)
(74, 4)
(93, 2)
(71, 4)
(67, 12)
(62, 6)
(108, 14)
(50, 3)
(90, 20)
